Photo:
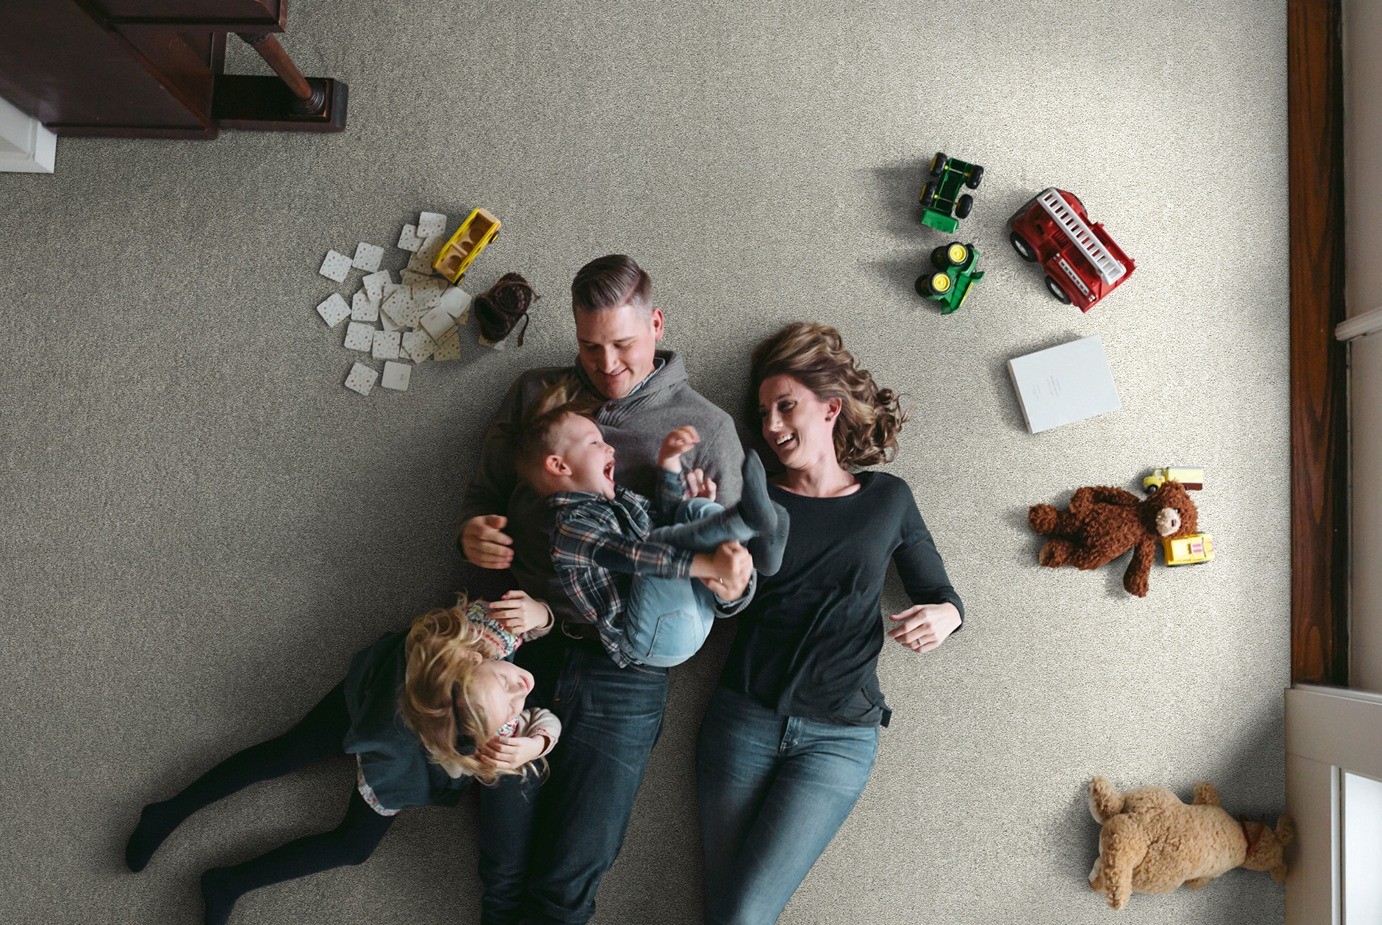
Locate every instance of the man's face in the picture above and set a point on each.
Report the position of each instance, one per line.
(617, 346)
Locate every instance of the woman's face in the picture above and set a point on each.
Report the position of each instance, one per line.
(502, 687)
(798, 425)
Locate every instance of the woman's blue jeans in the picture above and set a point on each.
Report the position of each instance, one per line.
(773, 792)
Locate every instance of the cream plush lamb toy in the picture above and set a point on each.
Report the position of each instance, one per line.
(1151, 842)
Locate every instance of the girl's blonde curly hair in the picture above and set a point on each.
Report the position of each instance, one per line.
(815, 355)
(440, 691)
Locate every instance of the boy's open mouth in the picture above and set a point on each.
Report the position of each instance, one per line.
(609, 471)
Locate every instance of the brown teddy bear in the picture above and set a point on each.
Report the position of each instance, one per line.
(1151, 842)
(1103, 523)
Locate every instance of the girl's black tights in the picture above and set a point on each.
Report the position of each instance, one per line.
(318, 735)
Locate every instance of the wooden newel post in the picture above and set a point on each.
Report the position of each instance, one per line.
(311, 94)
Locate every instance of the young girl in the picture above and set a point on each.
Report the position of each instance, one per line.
(423, 711)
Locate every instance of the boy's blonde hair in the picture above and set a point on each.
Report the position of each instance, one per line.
(539, 435)
(440, 696)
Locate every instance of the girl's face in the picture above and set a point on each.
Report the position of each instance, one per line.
(798, 425)
(501, 689)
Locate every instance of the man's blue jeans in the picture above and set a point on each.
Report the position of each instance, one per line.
(611, 718)
(773, 792)
(667, 620)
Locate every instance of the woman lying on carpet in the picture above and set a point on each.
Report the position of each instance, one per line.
(411, 709)
(791, 734)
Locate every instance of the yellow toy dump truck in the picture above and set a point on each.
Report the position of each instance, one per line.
(455, 257)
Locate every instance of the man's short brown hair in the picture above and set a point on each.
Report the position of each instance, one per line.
(609, 282)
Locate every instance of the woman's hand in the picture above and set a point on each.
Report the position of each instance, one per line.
(700, 485)
(510, 754)
(518, 613)
(925, 626)
(677, 442)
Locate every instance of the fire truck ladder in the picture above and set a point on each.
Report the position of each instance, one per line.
(1110, 269)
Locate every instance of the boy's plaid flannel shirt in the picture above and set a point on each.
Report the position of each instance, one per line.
(599, 543)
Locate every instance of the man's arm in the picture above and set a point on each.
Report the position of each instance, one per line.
(495, 477)
(721, 455)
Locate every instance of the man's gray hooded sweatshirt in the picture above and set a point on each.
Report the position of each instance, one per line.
(634, 425)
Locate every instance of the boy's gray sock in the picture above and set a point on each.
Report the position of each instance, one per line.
(767, 547)
(755, 506)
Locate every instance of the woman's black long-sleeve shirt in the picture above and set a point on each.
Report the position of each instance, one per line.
(809, 642)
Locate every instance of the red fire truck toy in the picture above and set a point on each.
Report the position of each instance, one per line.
(1082, 263)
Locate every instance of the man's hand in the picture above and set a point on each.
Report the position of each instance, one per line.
(518, 613)
(925, 626)
(484, 542)
(510, 754)
(677, 442)
(700, 485)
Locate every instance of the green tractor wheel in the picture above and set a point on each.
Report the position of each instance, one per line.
(928, 195)
(938, 283)
(963, 205)
(949, 255)
(938, 164)
(975, 175)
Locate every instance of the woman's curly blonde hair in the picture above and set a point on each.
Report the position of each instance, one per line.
(443, 650)
(815, 355)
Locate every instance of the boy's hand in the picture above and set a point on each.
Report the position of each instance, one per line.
(677, 442)
(700, 485)
(518, 613)
(510, 754)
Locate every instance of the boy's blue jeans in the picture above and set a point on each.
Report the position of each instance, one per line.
(773, 792)
(666, 620)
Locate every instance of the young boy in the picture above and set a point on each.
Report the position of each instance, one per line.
(625, 561)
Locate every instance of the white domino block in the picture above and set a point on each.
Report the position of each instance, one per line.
(335, 267)
(418, 345)
(359, 336)
(431, 223)
(409, 240)
(448, 348)
(333, 310)
(367, 257)
(437, 322)
(361, 379)
(363, 308)
(386, 344)
(396, 376)
(374, 284)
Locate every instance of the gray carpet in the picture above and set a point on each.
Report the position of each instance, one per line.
(200, 524)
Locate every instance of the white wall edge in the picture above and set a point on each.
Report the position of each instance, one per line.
(37, 147)
(1358, 325)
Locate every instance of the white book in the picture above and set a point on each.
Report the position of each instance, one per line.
(1064, 384)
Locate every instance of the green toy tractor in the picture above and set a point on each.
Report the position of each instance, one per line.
(942, 203)
(953, 276)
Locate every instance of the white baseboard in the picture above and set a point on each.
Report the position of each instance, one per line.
(25, 145)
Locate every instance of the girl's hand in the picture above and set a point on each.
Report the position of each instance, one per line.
(518, 613)
(700, 485)
(677, 442)
(925, 626)
(510, 754)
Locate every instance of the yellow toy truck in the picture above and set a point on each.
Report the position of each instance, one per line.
(455, 257)
(1191, 478)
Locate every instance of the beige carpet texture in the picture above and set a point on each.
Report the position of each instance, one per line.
(200, 524)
